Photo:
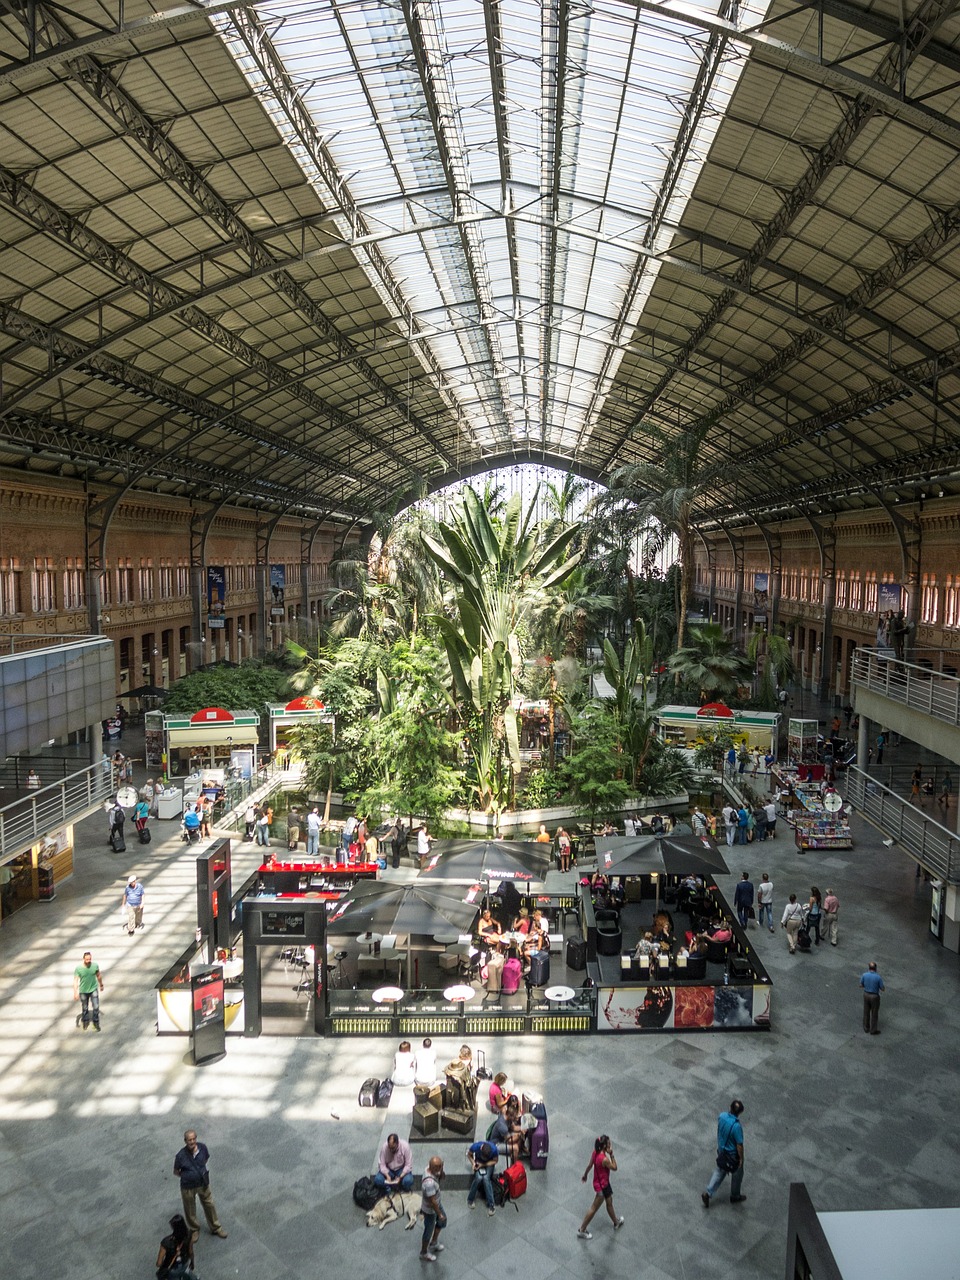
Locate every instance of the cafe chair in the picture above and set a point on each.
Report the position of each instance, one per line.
(716, 952)
(609, 936)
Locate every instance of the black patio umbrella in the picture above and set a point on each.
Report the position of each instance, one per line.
(487, 860)
(669, 855)
(146, 691)
(377, 906)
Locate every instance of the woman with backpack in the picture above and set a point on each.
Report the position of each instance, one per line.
(602, 1163)
(175, 1257)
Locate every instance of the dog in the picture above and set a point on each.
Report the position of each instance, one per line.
(393, 1206)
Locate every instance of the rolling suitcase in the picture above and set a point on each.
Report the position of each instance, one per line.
(117, 842)
(515, 1180)
(368, 1092)
(540, 1138)
(577, 954)
(539, 969)
(144, 835)
(480, 1069)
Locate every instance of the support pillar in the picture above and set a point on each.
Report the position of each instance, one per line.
(863, 742)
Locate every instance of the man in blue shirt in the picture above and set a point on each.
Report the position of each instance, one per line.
(872, 985)
(729, 1155)
(483, 1159)
(132, 902)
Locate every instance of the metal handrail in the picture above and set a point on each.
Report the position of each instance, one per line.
(922, 838)
(31, 818)
(16, 642)
(908, 683)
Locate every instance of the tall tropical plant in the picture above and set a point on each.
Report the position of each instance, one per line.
(496, 569)
(711, 663)
(662, 494)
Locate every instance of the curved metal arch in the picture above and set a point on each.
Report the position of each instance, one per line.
(866, 355)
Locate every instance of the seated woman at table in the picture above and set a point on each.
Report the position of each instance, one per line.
(646, 946)
(522, 923)
(663, 929)
(404, 1064)
(488, 925)
(512, 972)
(719, 931)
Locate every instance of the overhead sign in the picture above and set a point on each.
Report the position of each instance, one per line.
(212, 715)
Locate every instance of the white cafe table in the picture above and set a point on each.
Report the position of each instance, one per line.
(387, 995)
(559, 995)
(459, 993)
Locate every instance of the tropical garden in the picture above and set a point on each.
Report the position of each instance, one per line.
(444, 627)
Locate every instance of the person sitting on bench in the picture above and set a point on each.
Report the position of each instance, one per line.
(394, 1165)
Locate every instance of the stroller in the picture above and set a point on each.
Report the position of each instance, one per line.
(190, 831)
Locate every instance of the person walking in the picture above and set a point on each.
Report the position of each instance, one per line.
(260, 827)
(434, 1218)
(190, 1166)
(872, 985)
(249, 822)
(831, 914)
(483, 1161)
(313, 832)
(743, 899)
(791, 920)
(175, 1256)
(132, 902)
(946, 790)
(87, 985)
(815, 912)
(729, 1155)
(881, 743)
(602, 1163)
(765, 901)
(729, 822)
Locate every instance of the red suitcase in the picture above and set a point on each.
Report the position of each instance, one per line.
(515, 1178)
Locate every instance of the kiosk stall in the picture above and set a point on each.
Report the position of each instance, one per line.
(689, 727)
(211, 739)
(284, 716)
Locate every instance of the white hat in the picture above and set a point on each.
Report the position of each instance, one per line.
(132, 880)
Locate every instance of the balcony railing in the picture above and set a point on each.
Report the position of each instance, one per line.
(30, 818)
(931, 844)
(16, 642)
(914, 684)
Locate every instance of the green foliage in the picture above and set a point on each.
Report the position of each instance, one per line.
(249, 687)
(496, 570)
(711, 663)
(543, 788)
(593, 773)
(712, 753)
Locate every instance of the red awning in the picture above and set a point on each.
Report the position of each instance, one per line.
(716, 709)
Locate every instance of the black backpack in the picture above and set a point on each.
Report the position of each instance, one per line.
(366, 1193)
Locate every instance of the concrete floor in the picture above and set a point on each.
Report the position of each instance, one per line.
(89, 1124)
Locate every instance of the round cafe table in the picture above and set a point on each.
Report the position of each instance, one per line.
(459, 993)
(559, 995)
(445, 936)
(387, 995)
(370, 939)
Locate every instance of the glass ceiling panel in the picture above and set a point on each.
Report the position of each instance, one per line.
(510, 185)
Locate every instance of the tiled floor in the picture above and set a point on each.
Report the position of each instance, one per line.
(89, 1124)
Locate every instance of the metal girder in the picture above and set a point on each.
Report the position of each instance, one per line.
(694, 106)
(495, 44)
(246, 25)
(922, 249)
(888, 96)
(855, 116)
(175, 167)
(429, 56)
(32, 433)
(54, 221)
(554, 73)
(60, 47)
(63, 350)
(872, 21)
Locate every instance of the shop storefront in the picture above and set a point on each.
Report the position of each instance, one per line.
(215, 740)
(692, 726)
(285, 716)
(33, 875)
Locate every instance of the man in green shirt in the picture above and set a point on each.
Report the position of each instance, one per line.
(87, 985)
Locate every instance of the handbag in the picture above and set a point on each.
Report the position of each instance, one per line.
(727, 1160)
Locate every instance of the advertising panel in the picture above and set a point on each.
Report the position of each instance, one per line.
(216, 595)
